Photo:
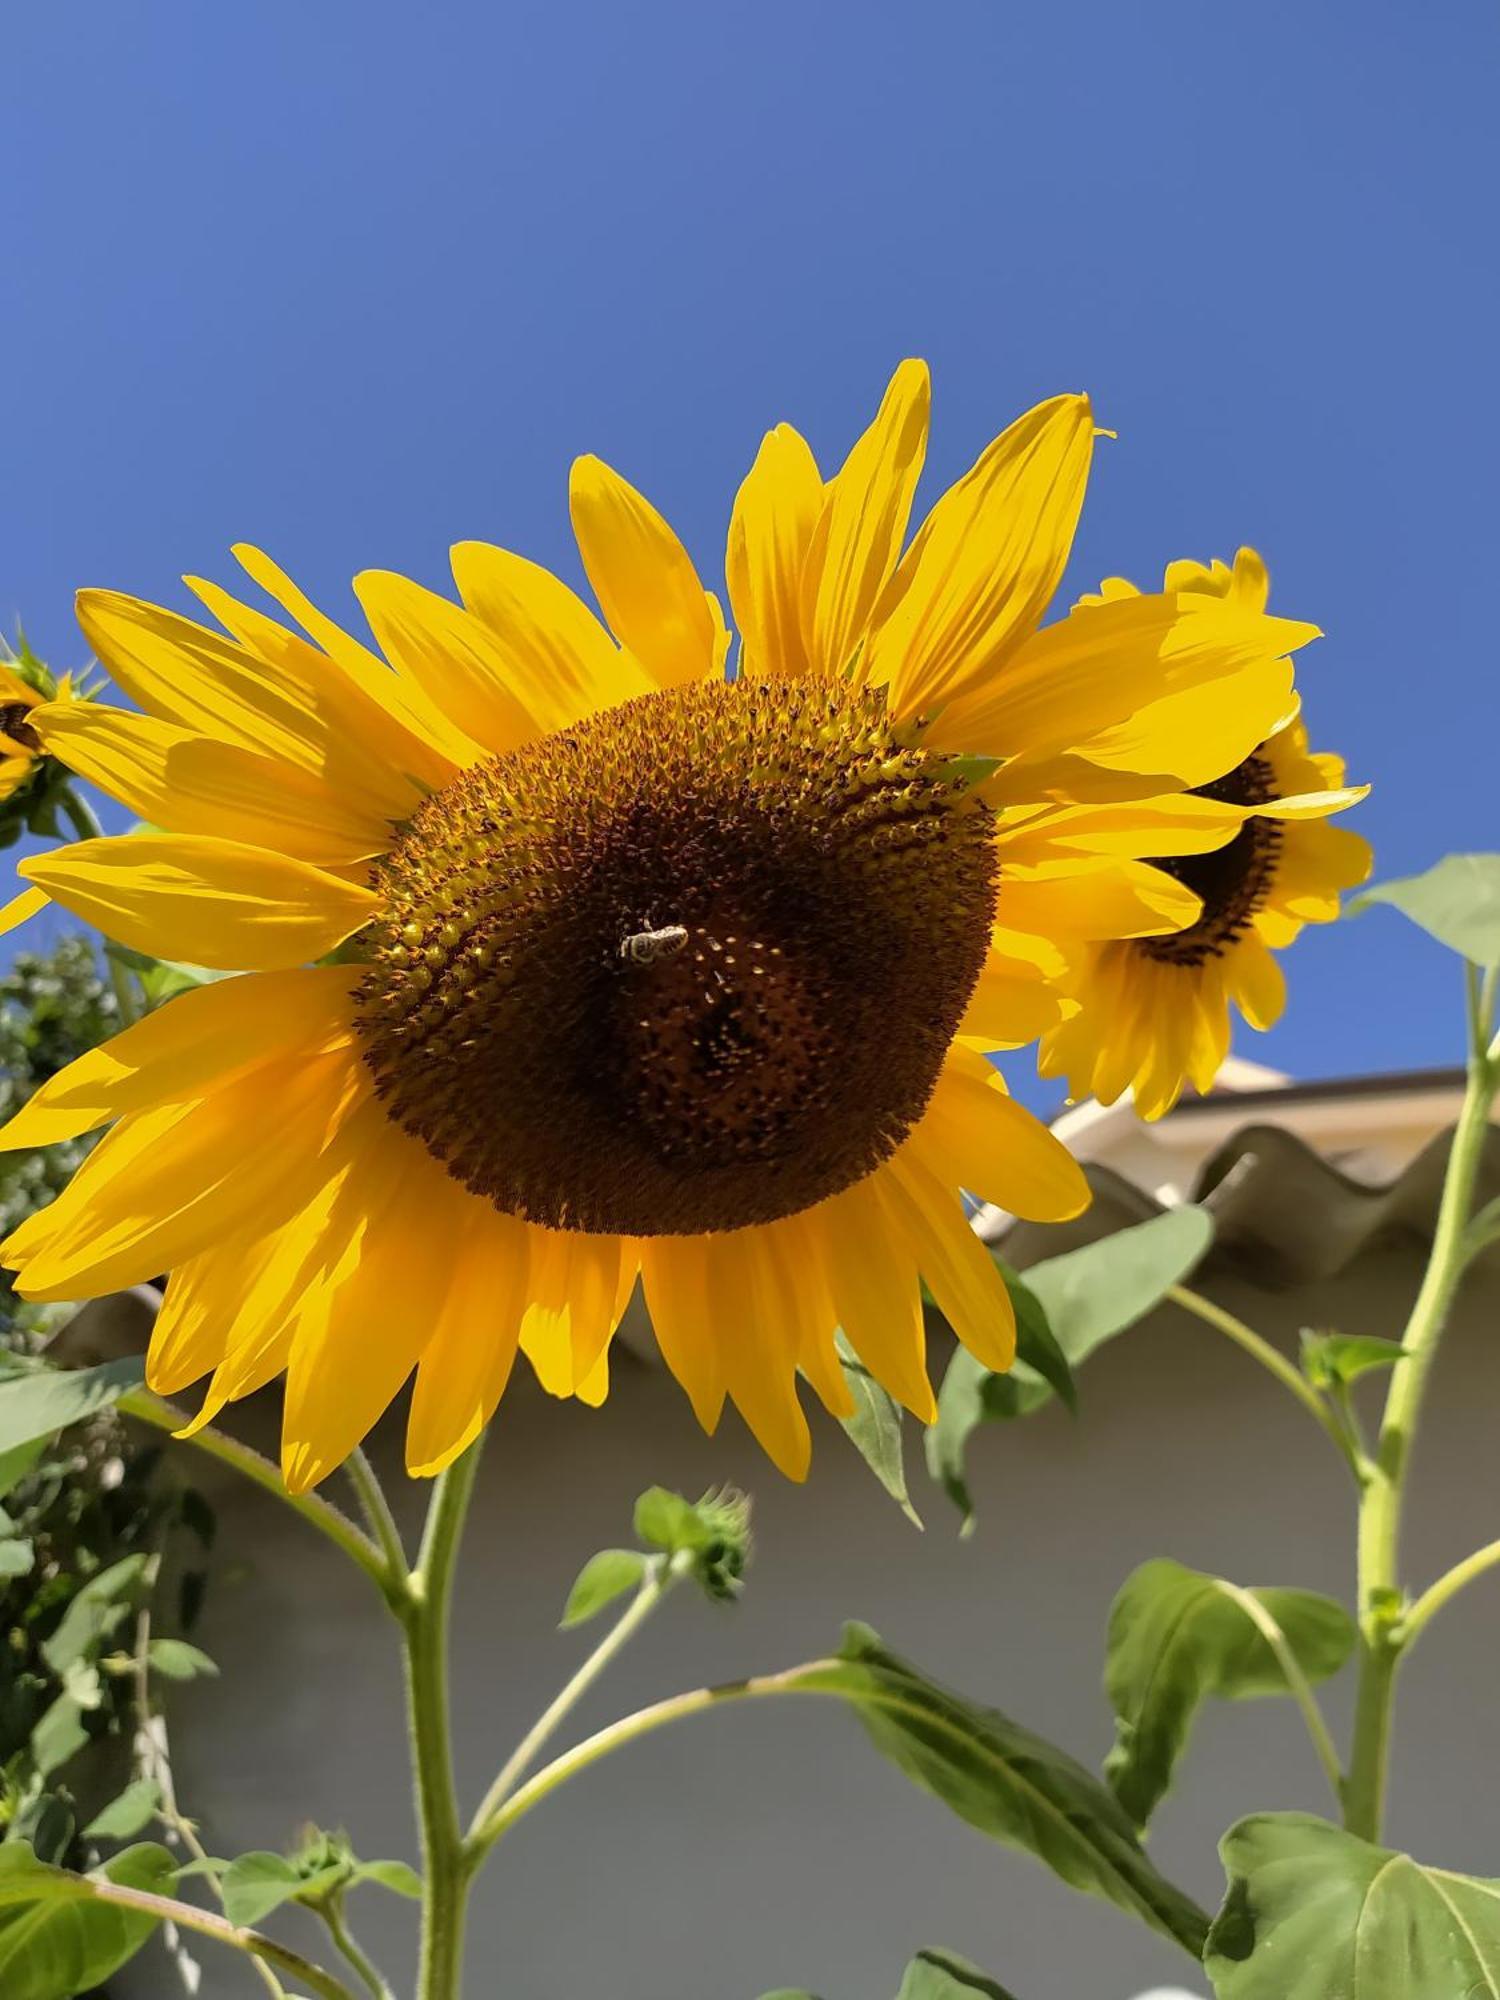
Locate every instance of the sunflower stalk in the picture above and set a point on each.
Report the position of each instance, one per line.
(1385, 1630)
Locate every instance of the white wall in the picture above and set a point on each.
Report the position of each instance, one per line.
(768, 1845)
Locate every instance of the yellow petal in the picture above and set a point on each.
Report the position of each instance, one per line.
(573, 1305)
(1257, 982)
(211, 902)
(985, 564)
(164, 1185)
(1180, 823)
(1103, 663)
(450, 655)
(642, 576)
(185, 782)
(196, 1042)
(857, 541)
(185, 674)
(760, 1346)
(561, 662)
(674, 1277)
(960, 1272)
(872, 1274)
(1103, 899)
(1010, 1006)
(467, 1362)
(770, 531)
(22, 907)
(364, 699)
(973, 1133)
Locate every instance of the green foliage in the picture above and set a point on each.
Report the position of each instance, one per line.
(37, 1403)
(325, 1867)
(1456, 901)
(1333, 1360)
(1312, 1913)
(1012, 1785)
(1178, 1637)
(874, 1429)
(714, 1532)
(1077, 1301)
(943, 1975)
(56, 1939)
(603, 1578)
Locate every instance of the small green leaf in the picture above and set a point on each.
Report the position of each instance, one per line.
(1329, 1358)
(95, 1614)
(1083, 1298)
(255, 1884)
(18, 1461)
(603, 1578)
(56, 1939)
(875, 1428)
(1037, 1346)
(178, 1661)
(1012, 1785)
(397, 1876)
(667, 1520)
(127, 1815)
(57, 1736)
(1457, 901)
(43, 1401)
(1312, 1912)
(943, 1975)
(1177, 1637)
(17, 1558)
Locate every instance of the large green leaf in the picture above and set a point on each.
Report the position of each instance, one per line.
(56, 1939)
(1177, 1637)
(95, 1614)
(874, 1429)
(1457, 902)
(1314, 1914)
(1012, 1785)
(1085, 1298)
(943, 1975)
(45, 1400)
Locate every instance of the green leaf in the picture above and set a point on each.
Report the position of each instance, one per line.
(1457, 901)
(875, 1428)
(943, 1975)
(715, 1531)
(1038, 1348)
(397, 1876)
(255, 1884)
(789, 1993)
(178, 1661)
(57, 1736)
(668, 1521)
(1176, 1637)
(127, 1815)
(18, 1461)
(1012, 1785)
(1314, 1914)
(56, 1940)
(602, 1579)
(1330, 1358)
(17, 1557)
(44, 1401)
(95, 1614)
(1083, 1298)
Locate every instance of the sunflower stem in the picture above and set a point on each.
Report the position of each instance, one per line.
(1384, 1631)
(424, 1619)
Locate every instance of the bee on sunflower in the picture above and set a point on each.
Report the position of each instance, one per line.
(570, 957)
(1150, 1014)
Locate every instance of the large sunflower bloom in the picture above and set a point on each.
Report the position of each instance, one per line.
(1151, 1014)
(640, 969)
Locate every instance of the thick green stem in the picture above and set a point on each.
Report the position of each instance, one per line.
(446, 1871)
(1382, 1631)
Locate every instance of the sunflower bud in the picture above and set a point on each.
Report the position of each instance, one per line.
(711, 1539)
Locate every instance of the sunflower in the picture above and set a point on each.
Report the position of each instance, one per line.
(1152, 1013)
(569, 957)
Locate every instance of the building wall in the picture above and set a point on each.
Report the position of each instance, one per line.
(767, 1844)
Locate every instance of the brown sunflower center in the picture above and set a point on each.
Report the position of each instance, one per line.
(1233, 880)
(15, 723)
(689, 965)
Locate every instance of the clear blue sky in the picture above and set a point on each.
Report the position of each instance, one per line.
(357, 279)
